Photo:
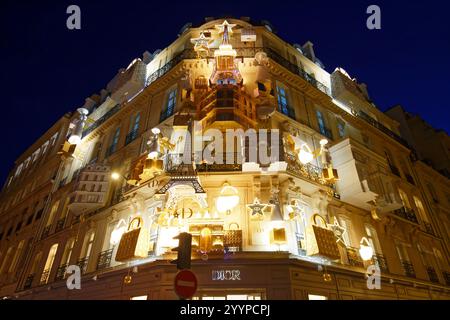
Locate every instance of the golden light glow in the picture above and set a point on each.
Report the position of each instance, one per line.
(365, 250)
(115, 176)
(228, 199)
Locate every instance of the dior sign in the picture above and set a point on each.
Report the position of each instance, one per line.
(226, 275)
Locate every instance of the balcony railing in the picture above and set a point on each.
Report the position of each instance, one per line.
(60, 224)
(28, 281)
(46, 232)
(432, 275)
(379, 126)
(104, 259)
(131, 136)
(105, 117)
(380, 261)
(354, 258)
(446, 275)
(83, 263)
(407, 214)
(61, 272)
(428, 228)
(44, 277)
(408, 268)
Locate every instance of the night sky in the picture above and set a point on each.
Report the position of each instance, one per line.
(47, 70)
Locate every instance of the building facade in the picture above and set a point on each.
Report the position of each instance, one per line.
(291, 181)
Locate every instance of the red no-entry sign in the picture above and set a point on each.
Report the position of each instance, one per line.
(185, 284)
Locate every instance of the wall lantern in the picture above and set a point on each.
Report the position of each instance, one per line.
(365, 250)
(228, 199)
(154, 152)
(77, 132)
(306, 155)
(118, 231)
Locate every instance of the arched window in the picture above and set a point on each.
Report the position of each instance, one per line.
(420, 209)
(17, 256)
(372, 237)
(48, 264)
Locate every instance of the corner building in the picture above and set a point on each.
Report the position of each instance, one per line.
(341, 195)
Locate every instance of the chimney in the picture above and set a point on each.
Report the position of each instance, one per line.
(309, 51)
(147, 57)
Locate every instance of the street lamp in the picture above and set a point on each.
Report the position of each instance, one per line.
(116, 176)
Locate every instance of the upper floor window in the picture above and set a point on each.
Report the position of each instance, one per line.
(282, 100)
(48, 264)
(114, 141)
(134, 127)
(341, 128)
(170, 106)
(372, 237)
(404, 198)
(322, 126)
(420, 209)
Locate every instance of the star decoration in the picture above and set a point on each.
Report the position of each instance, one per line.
(338, 231)
(297, 210)
(201, 43)
(256, 207)
(225, 26)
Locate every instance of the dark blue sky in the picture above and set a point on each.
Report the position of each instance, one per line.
(47, 70)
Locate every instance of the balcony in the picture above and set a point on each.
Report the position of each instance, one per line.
(428, 228)
(364, 116)
(408, 269)
(44, 277)
(381, 262)
(28, 281)
(100, 121)
(131, 136)
(446, 276)
(60, 224)
(407, 214)
(61, 272)
(104, 259)
(83, 263)
(46, 232)
(432, 275)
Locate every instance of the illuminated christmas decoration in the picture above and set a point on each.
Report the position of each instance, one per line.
(118, 231)
(78, 125)
(201, 44)
(257, 209)
(365, 249)
(228, 199)
(338, 231)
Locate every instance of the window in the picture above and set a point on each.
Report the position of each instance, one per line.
(341, 128)
(432, 192)
(282, 100)
(134, 127)
(322, 127)
(171, 103)
(17, 256)
(139, 298)
(316, 297)
(372, 237)
(114, 141)
(48, 264)
(52, 213)
(420, 209)
(88, 242)
(68, 252)
(404, 198)
(346, 223)
(6, 260)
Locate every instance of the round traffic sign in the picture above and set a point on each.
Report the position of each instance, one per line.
(185, 284)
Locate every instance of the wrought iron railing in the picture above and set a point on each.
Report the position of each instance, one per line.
(379, 126)
(104, 259)
(432, 275)
(61, 272)
(45, 232)
(105, 117)
(407, 214)
(131, 136)
(408, 268)
(428, 228)
(353, 257)
(60, 224)
(380, 261)
(29, 281)
(446, 275)
(83, 263)
(44, 277)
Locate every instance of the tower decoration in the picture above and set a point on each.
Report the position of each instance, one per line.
(225, 68)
